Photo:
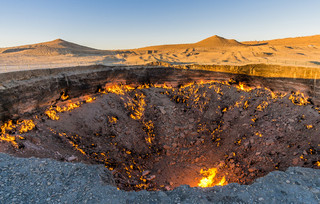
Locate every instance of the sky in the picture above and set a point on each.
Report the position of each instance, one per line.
(121, 24)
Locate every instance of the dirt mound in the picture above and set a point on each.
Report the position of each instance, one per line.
(157, 137)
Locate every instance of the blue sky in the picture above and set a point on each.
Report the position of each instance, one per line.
(115, 24)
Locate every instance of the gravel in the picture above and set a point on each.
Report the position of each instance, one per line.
(33, 180)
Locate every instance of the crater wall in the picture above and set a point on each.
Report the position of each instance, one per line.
(25, 92)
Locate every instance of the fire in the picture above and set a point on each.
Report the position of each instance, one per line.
(262, 106)
(187, 85)
(298, 98)
(309, 126)
(243, 87)
(245, 105)
(137, 106)
(64, 96)
(89, 99)
(69, 107)
(317, 163)
(258, 134)
(112, 119)
(149, 129)
(75, 146)
(26, 125)
(5, 136)
(22, 126)
(209, 179)
(52, 112)
(119, 89)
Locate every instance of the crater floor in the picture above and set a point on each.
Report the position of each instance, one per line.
(157, 137)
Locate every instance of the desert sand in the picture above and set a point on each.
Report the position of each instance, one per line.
(299, 51)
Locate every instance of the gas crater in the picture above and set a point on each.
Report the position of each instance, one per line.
(157, 133)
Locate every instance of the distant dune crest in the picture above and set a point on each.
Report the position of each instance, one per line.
(52, 48)
(217, 41)
(305, 40)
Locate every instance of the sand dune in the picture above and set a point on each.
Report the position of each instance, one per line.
(299, 51)
(217, 41)
(52, 48)
(302, 41)
(211, 42)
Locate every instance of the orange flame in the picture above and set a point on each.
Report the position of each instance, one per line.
(137, 106)
(209, 179)
(149, 129)
(26, 125)
(262, 106)
(89, 99)
(22, 125)
(119, 89)
(52, 114)
(309, 126)
(299, 99)
(112, 119)
(5, 136)
(243, 87)
(64, 96)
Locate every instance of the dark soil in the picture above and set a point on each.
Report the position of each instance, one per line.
(160, 138)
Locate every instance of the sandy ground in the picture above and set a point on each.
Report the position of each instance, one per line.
(303, 51)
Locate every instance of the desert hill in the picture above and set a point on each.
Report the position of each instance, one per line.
(211, 42)
(52, 48)
(217, 41)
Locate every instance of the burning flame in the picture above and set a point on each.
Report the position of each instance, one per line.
(209, 179)
(64, 96)
(22, 126)
(262, 106)
(52, 112)
(112, 119)
(5, 136)
(119, 89)
(137, 106)
(149, 129)
(26, 125)
(298, 98)
(243, 87)
(89, 99)
(309, 126)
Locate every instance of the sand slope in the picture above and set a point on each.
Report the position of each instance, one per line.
(304, 41)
